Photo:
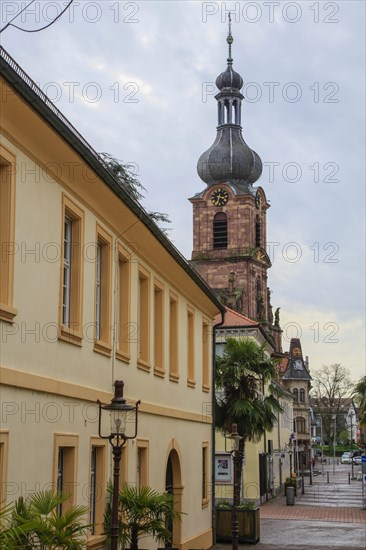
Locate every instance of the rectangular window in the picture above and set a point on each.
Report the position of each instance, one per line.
(143, 316)
(98, 306)
(123, 477)
(158, 328)
(60, 475)
(7, 232)
(93, 489)
(65, 468)
(103, 294)
(4, 445)
(97, 485)
(190, 348)
(72, 273)
(205, 474)
(173, 338)
(205, 356)
(125, 331)
(142, 474)
(67, 272)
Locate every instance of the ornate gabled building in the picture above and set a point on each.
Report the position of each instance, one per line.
(296, 378)
(229, 215)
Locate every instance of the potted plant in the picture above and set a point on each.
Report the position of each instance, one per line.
(248, 521)
(37, 522)
(142, 512)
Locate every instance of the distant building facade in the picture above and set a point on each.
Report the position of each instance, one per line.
(295, 377)
(267, 462)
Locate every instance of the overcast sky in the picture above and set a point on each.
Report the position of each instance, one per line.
(136, 79)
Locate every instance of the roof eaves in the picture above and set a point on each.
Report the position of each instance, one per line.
(30, 92)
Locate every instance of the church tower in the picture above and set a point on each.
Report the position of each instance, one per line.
(229, 215)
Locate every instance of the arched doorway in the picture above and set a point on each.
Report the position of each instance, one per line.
(173, 486)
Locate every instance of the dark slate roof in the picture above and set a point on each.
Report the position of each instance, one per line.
(296, 368)
(229, 79)
(229, 158)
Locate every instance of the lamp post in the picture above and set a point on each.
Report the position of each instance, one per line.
(334, 418)
(321, 442)
(353, 475)
(290, 455)
(118, 410)
(235, 453)
(301, 449)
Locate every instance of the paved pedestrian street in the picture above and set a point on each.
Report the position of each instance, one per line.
(329, 516)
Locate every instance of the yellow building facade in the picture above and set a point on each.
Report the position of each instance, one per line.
(266, 462)
(92, 292)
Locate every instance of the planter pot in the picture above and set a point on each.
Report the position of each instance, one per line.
(248, 522)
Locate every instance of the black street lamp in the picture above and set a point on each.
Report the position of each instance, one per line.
(119, 410)
(353, 474)
(235, 453)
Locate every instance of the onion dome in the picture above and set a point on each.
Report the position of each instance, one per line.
(229, 158)
(229, 79)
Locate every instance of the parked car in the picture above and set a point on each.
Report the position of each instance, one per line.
(346, 458)
(357, 459)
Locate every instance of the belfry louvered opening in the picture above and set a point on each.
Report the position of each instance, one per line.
(220, 230)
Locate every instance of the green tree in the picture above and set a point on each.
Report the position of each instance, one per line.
(36, 523)
(245, 394)
(124, 174)
(143, 512)
(359, 394)
(332, 388)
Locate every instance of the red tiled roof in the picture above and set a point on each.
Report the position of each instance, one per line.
(235, 319)
(283, 364)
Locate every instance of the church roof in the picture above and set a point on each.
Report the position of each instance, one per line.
(296, 368)
(235, 319)
(229, 158)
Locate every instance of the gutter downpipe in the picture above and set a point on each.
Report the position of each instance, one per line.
(213, 511)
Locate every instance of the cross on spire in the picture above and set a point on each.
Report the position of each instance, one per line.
(230, 40)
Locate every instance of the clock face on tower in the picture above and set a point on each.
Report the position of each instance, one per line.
(219, 197)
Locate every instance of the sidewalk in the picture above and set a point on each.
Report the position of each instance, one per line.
(307, 526)
(277, 509)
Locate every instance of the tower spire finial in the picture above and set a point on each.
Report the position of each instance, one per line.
(230, 40)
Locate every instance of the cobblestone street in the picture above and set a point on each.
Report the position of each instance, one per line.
(328, 516)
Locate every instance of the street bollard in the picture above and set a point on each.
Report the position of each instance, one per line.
(327, 477)
(349, 478)
(290, 496)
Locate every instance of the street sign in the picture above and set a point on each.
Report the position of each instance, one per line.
(363, 458)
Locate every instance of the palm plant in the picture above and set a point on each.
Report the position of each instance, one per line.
(245, 393)
(359, 394)
(10, 535)
(38, 523)
(143, 512)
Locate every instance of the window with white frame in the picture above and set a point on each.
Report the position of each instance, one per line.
(98, 297)
(67, 272)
